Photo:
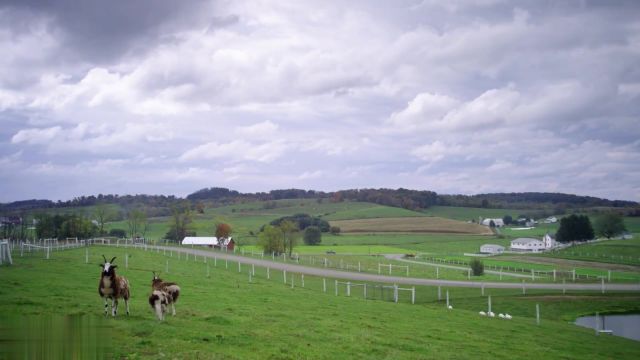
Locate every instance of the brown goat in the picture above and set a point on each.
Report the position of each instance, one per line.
(113, 287)
(159, 301)
(172, 291)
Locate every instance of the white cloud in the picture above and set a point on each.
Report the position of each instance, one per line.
(236, 150)
(36, 136)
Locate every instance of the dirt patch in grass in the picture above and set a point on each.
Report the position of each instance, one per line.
(410, 225)
(565, 263)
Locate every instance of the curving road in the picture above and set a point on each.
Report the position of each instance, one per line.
(338, 274)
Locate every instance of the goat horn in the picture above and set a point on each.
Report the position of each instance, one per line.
(105, 259)
(112, 260)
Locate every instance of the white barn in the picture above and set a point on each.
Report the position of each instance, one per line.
(496, 222)
(491, 249)
(527, 244)
(211, 241)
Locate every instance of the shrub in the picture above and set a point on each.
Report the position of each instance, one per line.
(335, 230)
(312, 235)
(477, 267)
(119, 233)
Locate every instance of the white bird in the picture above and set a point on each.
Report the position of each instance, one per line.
(482, 313)
(507, 316)
(501, 316)
(450, 307)
(491, 314)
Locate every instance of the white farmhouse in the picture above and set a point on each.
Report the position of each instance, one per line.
(491, 249)
(549, 242)
(496, 222)
(527, 244)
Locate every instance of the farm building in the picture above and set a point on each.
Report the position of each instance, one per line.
(527, 244)
(491, 249)
(210, 241)
(496, 222)
(549, 242)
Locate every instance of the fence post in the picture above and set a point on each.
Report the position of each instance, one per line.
(439, 293)
(554, 275)
(302, 279)
(378, 268)
(574, 275)
(533, 275)
(358, 266)
(324, 285)
(438, 273)
(166, 267)
(226, 263)
(284, 276)
(390, 270)
(407, 270)
(325, 262)
(395, 293)
(336, 287)
(292, 275)
(413, 295)
(126, 261)
(268, 274)
(523, 288)
(239, 267)
(253, 269)
(348, 288)
(538, 314)
(447, 299)
(489, 303)
(365, 291)
(86, 256)
(482, 289)
(602, 285)
(609, 276)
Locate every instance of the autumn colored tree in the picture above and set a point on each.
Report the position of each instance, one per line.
(223, 230)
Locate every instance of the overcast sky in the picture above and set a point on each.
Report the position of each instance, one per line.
(167, 97)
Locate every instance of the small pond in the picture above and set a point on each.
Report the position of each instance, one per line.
(627, 325)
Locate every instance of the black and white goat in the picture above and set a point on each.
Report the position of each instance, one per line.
(113, 287)
(163, 294)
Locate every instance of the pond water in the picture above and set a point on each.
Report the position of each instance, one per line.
(627, 325)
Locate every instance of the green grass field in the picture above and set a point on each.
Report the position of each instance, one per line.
(225, 316)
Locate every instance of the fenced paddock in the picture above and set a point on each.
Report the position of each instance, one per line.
(210, 268)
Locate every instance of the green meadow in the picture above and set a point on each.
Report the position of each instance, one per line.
(226, 316)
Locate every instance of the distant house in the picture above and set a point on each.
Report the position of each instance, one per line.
(549, 242)
(491, 249)
(210, 241)
(551, 220)
(527, 244)
(496, 222)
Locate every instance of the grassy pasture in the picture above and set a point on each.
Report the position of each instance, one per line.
(410, 225)
(225, 316)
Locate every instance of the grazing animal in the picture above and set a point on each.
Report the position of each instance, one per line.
(491, 314)
(482, 313)
(113, 287)
(159, 301)
(507, 316)
(450, 307)
(172, 291)
(501, 316)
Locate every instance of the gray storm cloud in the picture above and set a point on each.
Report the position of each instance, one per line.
(455, 97)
